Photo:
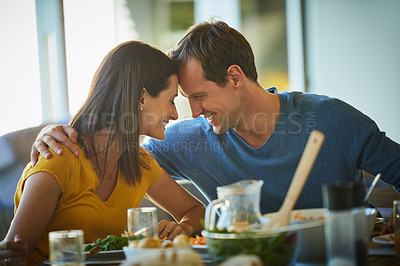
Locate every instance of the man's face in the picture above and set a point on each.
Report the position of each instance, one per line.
(219, 105)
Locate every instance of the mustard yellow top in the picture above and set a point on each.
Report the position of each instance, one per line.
(79, 207)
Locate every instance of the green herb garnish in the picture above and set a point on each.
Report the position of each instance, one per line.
(111, 242)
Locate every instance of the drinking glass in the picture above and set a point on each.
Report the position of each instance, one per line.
(142, 222)
(66, 247)
(396, 225)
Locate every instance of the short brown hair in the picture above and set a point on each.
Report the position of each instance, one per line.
(216, 46)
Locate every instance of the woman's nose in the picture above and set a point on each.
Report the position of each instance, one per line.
(174, 113)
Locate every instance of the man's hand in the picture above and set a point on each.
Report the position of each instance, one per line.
(49, 137)
(388, 228)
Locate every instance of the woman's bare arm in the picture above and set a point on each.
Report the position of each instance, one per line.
(39, 199)
(185, 208)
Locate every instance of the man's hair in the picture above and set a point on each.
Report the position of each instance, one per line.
(216, 46)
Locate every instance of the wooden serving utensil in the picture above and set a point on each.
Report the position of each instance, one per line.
(282, 217)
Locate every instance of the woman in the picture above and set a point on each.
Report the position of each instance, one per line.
(132, 93)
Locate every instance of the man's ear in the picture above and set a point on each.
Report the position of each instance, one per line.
(235, 74)
(143, 97)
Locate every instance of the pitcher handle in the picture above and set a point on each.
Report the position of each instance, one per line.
(211, 210)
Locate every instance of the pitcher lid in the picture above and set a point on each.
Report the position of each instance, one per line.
(241, 187)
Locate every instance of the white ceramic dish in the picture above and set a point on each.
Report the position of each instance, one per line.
(312, 240)
(384, 239)
(132, 253)
(199, 246)
(162, 256)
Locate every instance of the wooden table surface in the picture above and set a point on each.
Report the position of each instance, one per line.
(381, 254)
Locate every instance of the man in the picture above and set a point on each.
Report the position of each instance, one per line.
(247, 132)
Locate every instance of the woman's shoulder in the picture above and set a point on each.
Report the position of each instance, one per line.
(65, 162)
(61, 167)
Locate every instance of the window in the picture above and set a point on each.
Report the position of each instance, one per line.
(20, 101)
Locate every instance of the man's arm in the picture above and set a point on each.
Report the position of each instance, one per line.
(49, 137)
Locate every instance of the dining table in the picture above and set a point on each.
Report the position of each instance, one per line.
(378, 254)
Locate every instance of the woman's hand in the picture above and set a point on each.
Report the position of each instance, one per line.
(172, 229)
(182, 206)
(49, 137)
(13, 252)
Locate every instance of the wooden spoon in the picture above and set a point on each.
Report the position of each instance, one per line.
(282, 217)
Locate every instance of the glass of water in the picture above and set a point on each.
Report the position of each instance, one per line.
(142, 222)
(66, 247)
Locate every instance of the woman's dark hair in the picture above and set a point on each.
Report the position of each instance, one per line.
(113, 101)
(216, 46)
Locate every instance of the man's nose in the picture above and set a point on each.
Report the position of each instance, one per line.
(195, 107)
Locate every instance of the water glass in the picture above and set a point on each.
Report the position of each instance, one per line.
(142, 222)
(66, 247)
(396, 226)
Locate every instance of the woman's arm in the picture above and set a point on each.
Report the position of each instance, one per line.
(39, 199)
(180, 204)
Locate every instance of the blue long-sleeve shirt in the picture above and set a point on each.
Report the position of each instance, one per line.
(353, 142)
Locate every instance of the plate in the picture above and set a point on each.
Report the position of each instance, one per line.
(199, 246)
(106, 256)
(96, 262)
(107, 252)
(387, 239)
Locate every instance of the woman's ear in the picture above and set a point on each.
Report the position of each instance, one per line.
(143, 97)
(235, 74)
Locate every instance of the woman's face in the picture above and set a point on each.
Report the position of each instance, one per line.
(156, 112)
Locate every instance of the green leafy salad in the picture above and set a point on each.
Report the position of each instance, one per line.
(111, 242)
(272, 250)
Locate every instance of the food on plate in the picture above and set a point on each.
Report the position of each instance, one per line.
(243, 260)
(181, 241)
(150, 251)
(299, 217)
(111, 242)
(165, 257)
(198, 240)
(148, 242)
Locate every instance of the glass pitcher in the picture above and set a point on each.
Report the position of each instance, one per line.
(239, 205)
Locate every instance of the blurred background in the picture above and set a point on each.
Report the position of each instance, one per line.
(348, 49)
